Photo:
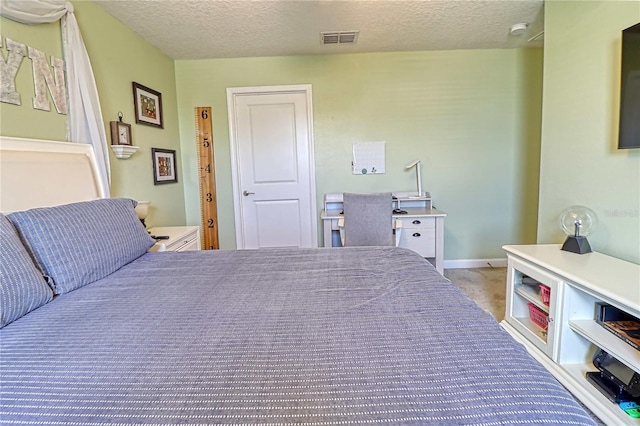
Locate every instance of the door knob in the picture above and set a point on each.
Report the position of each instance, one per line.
(247, 193)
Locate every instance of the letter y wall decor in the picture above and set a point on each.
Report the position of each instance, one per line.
(43, 78)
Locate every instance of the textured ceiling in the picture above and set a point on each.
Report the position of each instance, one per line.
(198, 29)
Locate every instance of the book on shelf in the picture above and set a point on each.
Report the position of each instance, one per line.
(620, 323)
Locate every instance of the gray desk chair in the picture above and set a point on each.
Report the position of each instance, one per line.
(367, 220)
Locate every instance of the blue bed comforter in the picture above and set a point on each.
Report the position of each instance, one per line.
(311, 336)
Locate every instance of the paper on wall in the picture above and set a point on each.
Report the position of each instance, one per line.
(368, 158)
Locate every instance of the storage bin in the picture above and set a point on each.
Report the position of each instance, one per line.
(545, 293)
(538, 316)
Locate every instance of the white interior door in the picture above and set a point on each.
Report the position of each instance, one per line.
(272, 164)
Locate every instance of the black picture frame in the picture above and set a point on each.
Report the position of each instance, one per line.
(148, 105)
(165, 169)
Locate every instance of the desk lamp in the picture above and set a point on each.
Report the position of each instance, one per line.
(577, 222)
(418, 178)
(142, 211)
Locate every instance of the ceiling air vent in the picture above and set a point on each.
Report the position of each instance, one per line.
(339, 37)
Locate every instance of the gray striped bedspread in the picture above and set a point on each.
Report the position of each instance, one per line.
(279, 336)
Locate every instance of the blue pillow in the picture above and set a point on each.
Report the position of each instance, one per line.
(22, 286)
(79, 243)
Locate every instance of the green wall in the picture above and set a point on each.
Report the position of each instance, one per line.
(23, 120)
(472, 117)
(580, 164)
(118, 56)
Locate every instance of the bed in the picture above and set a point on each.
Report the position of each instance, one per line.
(114, 334)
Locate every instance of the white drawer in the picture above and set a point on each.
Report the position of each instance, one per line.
(419, 237)
(419, 222)
(190, 246)
(185, 242)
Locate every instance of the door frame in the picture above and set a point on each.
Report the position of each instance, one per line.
(232, 94)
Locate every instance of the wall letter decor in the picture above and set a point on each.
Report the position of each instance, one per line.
(42, 77)
(9, 70)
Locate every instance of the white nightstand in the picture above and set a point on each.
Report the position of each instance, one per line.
(181, 238)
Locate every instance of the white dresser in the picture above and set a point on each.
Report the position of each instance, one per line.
(181, 238)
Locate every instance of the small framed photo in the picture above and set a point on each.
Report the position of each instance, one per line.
(164, 166)
(148, 104)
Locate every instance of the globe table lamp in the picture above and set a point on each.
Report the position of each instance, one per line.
(577, 222)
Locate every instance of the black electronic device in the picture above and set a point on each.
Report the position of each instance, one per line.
(608, 388)
(618, 373)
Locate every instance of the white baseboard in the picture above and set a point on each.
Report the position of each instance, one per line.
(475, 263)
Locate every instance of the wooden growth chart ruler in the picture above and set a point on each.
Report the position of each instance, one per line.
(207, 179)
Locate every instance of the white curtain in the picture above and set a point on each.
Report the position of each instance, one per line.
(85, 116)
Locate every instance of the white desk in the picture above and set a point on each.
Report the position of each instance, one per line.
(421, 229)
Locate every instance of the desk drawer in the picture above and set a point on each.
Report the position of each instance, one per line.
(419, 235)
(419, 223)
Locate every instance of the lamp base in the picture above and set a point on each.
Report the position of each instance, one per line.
(578, 245)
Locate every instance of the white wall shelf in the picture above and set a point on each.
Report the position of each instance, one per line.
(124, 151)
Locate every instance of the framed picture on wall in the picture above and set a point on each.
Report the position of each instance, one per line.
(148, 105)
(164, 166)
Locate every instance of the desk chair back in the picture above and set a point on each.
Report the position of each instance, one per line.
(368, 219)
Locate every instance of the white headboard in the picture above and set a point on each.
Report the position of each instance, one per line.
(40, 173)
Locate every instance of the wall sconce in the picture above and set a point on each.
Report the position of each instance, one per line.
(418, 177)
(142, 210)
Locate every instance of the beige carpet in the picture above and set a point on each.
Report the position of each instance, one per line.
(486, 286)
